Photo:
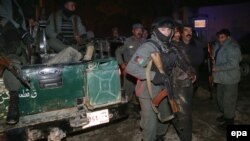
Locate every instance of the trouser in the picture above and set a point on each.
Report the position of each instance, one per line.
(12, 84)
(150, 124)
(67, 55)
(129, 86)
(56, 45)
(183, 120)
(10, 81)
(227, 98)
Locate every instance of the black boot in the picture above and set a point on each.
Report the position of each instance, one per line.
(13, 110)
(226, 122)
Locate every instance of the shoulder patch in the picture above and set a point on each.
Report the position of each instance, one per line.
(139, 60)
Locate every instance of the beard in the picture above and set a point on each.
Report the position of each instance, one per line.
(67, 12)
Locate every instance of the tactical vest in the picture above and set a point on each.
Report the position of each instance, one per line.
(74, 24)
(168, 57)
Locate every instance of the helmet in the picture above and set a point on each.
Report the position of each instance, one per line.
(163, 22)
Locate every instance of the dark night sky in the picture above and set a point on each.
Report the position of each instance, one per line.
(101, 15)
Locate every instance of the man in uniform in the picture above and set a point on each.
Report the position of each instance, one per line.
(183, 91)
(193, 49)
(152, 128)
(124, 54)
(65, 28)
(226, 73)
(12, 32)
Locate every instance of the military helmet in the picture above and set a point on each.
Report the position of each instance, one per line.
(163, 22)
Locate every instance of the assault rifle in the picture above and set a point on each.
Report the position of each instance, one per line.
(5, 63)
(167, 91)
(183, 62)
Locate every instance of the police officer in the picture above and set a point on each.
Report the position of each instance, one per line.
(12, 32)
(124, 54)
(152, 128)
(183, 91)
(193, 49)
(65, 28)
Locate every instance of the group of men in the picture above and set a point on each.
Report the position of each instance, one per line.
(181, 55)
(138, 52)
(174, 53)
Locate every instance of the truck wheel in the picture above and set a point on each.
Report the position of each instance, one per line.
(244, 69)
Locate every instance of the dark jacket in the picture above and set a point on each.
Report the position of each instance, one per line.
(227, 63)
(195, 52)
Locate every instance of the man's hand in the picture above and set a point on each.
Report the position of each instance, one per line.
(193, 78)
(123, 66)
(159, 78)
(79, 40)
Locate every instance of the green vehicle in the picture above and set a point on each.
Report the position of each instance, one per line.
(65, 98)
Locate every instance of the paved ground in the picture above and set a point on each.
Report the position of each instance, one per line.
(204, 125)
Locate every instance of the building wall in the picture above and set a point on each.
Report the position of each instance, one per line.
(235, 17)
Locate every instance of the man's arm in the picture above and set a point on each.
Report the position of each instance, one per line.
(233, 59)
(118, 54)
(81, 28)
(137, 65)
(50, 29)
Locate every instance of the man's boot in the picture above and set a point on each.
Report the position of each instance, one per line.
(13, 110)
(227, 122)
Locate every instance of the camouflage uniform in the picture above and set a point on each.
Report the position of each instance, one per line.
(183, 91)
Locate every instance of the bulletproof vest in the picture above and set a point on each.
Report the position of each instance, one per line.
(168, 57)
(67, 29)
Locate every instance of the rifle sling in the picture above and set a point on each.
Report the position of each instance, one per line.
(149, 65)
(148, 68)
